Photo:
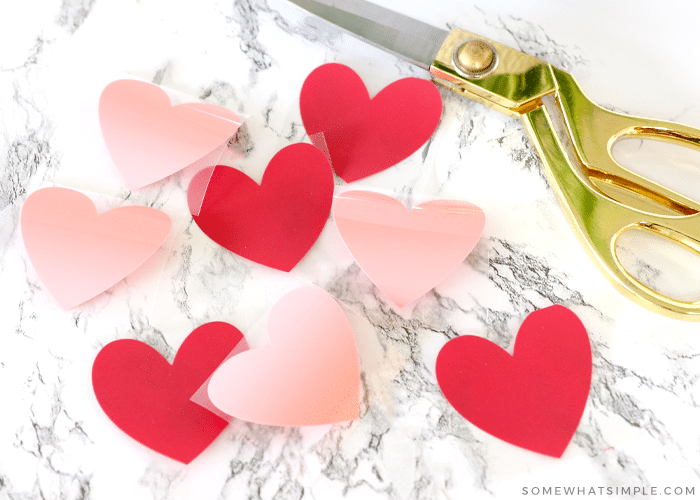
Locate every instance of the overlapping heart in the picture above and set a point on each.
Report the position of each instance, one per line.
(310, 374)
(274, 223)
(149, 139)
(149, 399)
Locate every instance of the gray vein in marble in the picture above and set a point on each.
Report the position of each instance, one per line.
(310, 28)
(221, 93)
(73, 14)
(533, 39)
(261, 465)
(48, 436)
(158, 481)
(25, 311)
(32, 58)
(605, 392)
(180, 294)
(471, 118)
(514, 270)
(161, 74)
(23, 159)
(268, 109)
(28, 154)
(617, 467)
(412, 385)
(204, 275)
(242, 142)
(453, 425)
(249, 26)
(295, 132)
(141, 329)
(520, 149)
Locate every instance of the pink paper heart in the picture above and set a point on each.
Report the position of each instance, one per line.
(406, 252)
(78, 253)
(310, 375)
(149, 139)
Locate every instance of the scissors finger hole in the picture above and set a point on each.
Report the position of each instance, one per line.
(672, 163)
(661, 263)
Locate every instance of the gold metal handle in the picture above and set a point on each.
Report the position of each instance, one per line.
(593, 132)
(598, 219)
(574, 137)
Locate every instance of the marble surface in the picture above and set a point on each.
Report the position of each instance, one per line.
(640, 426)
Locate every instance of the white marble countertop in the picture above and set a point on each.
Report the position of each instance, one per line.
(640, 426)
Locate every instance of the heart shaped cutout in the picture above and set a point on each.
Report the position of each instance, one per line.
(310, 375)
(274, 223)
(363, 136)
(149, 399)
(533, 399)
(406, 252)
(149, 139)
(79, 254)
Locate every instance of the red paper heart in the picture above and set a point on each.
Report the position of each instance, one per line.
(149, 399)
(533, 399)
(363, 136)
(275, 223)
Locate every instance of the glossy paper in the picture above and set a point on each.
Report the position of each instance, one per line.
(79, 254)
(533, 399)
(149, 139)
(149, 399)
(363, 136)
(406, 252)
(274, 223)
(309, 376)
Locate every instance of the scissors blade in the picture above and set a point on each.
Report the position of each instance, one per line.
(408, 38)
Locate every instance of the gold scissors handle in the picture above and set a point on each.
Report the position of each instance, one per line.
(574, 138)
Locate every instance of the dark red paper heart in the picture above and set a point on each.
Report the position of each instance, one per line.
(149, 399)
(275, 223)
(363, 136)
(533, 399)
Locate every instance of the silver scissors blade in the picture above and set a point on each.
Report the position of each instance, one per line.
(408, 38)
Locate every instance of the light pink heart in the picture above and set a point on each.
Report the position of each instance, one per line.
(79, 254)
(405, 252)
(149, 139)
(309, 376)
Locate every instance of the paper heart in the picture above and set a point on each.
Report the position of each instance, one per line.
(310, 375)
(363, 136)
(533, 399)
(79, 254)
(149, 399)
(274, 223)
(149, 139)
(406, 252)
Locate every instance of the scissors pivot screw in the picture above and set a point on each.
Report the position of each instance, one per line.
(474, 58)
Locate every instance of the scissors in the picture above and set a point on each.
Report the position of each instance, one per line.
(573, 136)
